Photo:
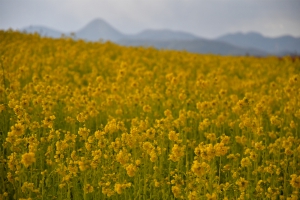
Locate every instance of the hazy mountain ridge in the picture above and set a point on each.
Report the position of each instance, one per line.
(161, 35)
(43, 31)
(196, 46)
(230, 44)
(276, 45)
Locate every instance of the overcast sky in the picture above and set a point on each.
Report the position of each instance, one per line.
(205, 18)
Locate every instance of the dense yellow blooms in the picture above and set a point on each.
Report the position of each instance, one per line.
(28, 159)
(82, 120)
(200, 168)
(88, 188)
(242, 183)
(295, 182)
(131, 170)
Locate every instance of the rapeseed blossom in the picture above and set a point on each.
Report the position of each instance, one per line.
(28, 159)
(126, 122)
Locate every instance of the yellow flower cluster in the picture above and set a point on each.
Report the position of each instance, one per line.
(82, 120)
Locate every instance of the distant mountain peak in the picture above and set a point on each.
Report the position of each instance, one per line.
(98, 22)
(99, 29)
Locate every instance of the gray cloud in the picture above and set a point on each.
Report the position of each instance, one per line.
(201, 17)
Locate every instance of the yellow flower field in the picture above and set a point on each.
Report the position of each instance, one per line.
(87, 121)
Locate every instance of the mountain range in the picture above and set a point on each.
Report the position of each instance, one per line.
(230, 44)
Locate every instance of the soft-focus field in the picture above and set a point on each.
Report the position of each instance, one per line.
(99, 121)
